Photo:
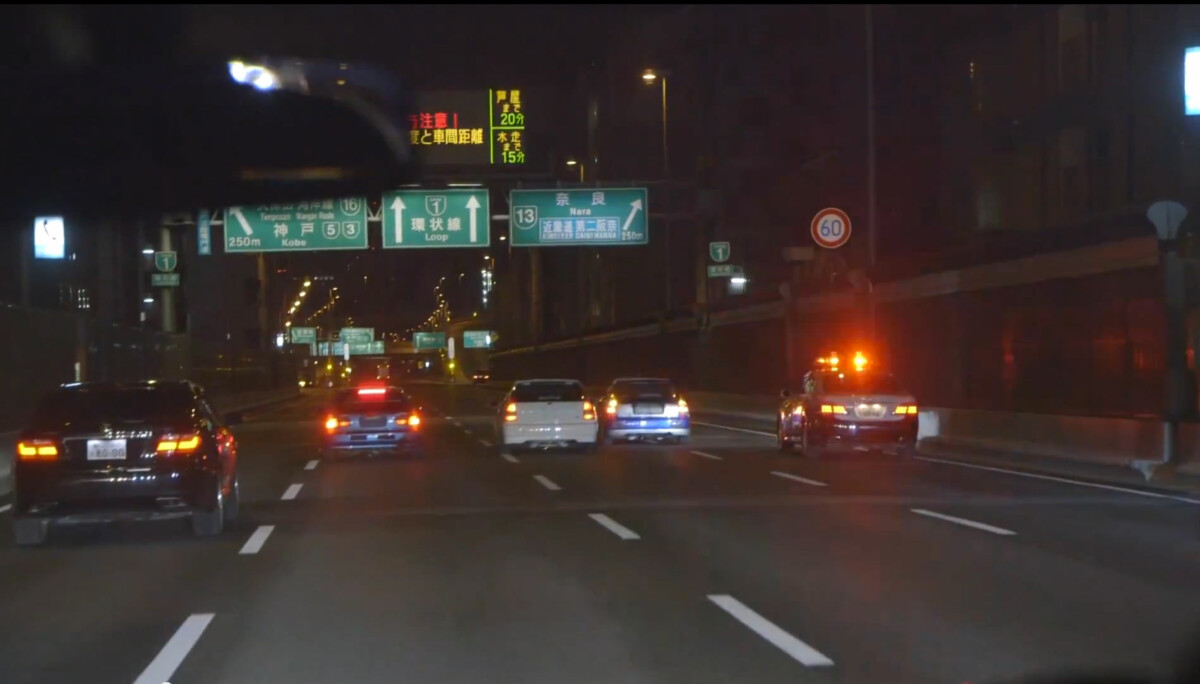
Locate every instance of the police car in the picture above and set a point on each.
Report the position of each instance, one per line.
(847, 404)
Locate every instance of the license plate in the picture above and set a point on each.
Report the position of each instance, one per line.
(106, 450)
(647, 409)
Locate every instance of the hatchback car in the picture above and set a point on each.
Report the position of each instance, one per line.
(372, 419)
(98, 452)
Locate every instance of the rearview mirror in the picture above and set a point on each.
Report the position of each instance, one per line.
(784, 393)
(234, 418)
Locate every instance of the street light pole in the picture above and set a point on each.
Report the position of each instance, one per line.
(870, 37)
(649, 76)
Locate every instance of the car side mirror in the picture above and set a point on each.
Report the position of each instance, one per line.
(234, 418)
(785, 393)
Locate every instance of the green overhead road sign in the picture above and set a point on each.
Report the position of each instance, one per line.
(718, 251)
(428, 340)
(356, 348)
(164, 280)
(323, 224)
(166, 261)
(304, 335)
(477, 339)
(413, 219)
(724, 271)
(592, 217)
(357, 335)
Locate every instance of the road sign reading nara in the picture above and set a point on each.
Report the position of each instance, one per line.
(414, 219)
(591, 217)
(317, 225)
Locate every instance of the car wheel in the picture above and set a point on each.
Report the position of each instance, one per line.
(210, 523)
(30, 531)
(784, 443)
(233, 504)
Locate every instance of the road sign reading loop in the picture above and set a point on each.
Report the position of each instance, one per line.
(830, 228)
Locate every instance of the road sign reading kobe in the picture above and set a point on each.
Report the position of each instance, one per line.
(322, 224)
(436, 218)
(595, 216)
(830, 228)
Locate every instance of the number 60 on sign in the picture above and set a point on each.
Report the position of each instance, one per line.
(830, 228)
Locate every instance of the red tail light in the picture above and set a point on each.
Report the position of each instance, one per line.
(37, 450)
(332, 423)
(589, 411)
(182, 444)
(414, 421)
(683, 407)
(510, 412)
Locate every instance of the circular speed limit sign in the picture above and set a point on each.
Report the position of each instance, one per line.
(831, 228)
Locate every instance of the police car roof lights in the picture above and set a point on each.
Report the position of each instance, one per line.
(833, 361)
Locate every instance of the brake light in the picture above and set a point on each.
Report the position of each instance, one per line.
(414, 421)
(589, 411)
(372, 391)
(833, 409)
(178, 443)
(510, 412)
(331, 423)
(683, 407)
(908, 410)
(611, 407)
(37, 450)
(798, 411)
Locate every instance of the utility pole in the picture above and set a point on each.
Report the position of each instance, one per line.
(870, 36)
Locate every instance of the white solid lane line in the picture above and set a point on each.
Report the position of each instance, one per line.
(797, 478)
(5, 507)
(545, 482)
(704, 455)
(171, 656)
(734, 429)
(255, 543)
(1051, 478)
(510, 458)
(802, 652)
(963, 521)
(292, 492)
(614, 526)
(485, 442)
(311, 465)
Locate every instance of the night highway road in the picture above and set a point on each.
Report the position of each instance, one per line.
(718, 561)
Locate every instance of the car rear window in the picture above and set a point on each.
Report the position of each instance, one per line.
(87, 407)
(548, 391)
(392, 401)
(862, 383)
(644, 389)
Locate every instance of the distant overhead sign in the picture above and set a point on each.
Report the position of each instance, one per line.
(414, 219)
(316, 225)
(592, 217)
(469, 127)
(357, 335)
(477, 339)
(301, 335)
(719, 251)
(429, 340)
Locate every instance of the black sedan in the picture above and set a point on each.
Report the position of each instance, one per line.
(98, 452)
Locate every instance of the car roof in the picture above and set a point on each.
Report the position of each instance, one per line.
(641, 380)
(561, 381)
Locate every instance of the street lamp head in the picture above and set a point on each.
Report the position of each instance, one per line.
(649, 76)
(308, 283)
(571, 161)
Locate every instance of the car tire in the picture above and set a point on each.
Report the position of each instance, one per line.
(233, 505)
(210, 523)
(30, 531)
(784, 444)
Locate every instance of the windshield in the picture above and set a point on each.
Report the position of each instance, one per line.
(861, 382)
(599, 259)
(648, 389)
(89, 407)
(547, 391)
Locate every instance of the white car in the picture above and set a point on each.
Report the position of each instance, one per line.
(539, 414)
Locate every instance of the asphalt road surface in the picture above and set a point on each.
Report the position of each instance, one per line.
(720, 560)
